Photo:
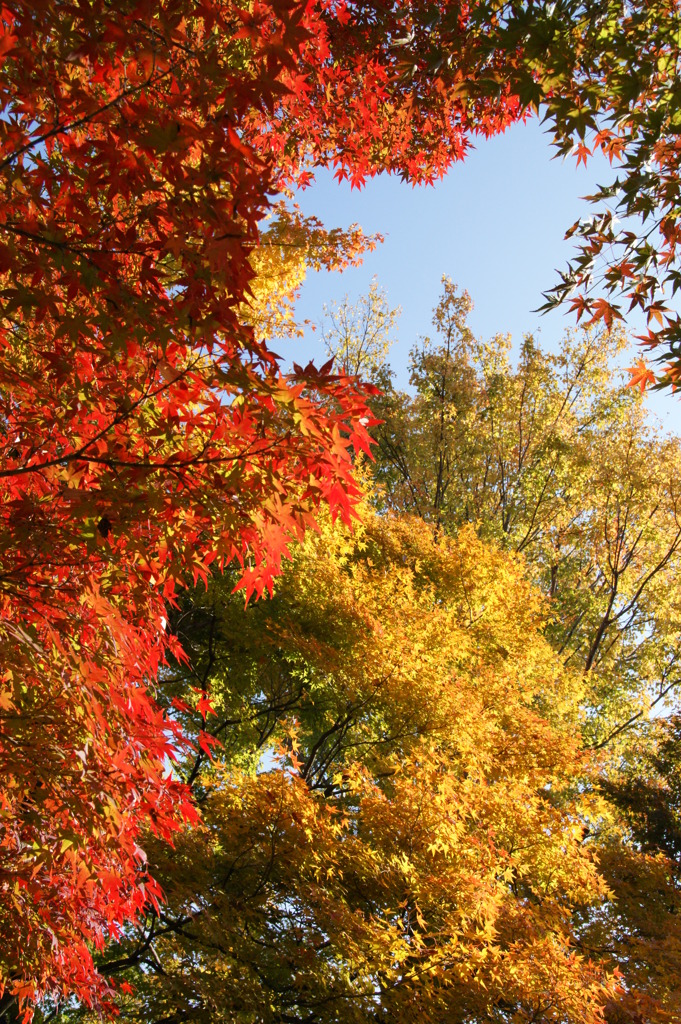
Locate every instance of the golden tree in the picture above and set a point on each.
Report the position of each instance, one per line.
(389, 828)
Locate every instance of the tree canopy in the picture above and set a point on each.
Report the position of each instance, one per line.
(148, 435)
(389, 825)
(554, 459)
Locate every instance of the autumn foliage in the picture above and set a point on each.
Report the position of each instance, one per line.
(147, 431)
(390, 825)
(148, 436)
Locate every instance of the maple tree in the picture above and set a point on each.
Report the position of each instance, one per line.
(329, 696)
(389, 825)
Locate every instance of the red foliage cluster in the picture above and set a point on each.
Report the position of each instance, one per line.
(388, 86)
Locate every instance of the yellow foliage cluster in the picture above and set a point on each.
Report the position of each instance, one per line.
(409, 841)
(291, 245)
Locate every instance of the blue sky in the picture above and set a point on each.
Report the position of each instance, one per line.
(495, 225)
